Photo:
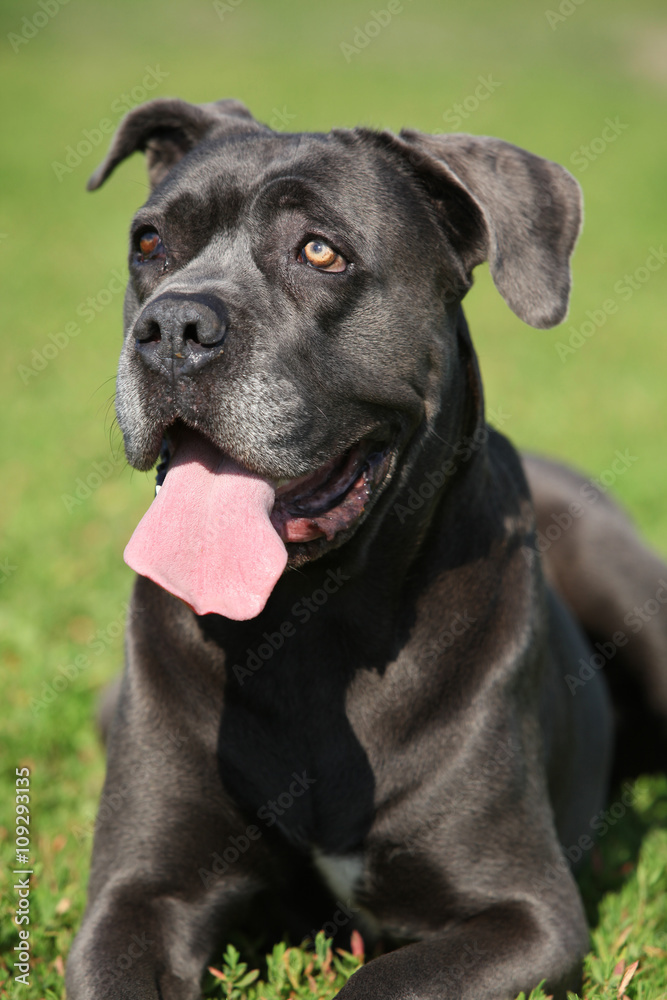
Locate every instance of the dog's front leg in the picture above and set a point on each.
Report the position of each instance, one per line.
(173, 862)
(493, 956)
(146, 942)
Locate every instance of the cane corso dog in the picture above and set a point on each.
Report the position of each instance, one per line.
(359, 693)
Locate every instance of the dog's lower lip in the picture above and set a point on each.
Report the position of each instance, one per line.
(331, 499)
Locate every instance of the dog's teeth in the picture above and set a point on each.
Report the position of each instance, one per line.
(281, 482)
(158, 487)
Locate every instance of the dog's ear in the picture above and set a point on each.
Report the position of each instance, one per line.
(166, 129)
(523, 215)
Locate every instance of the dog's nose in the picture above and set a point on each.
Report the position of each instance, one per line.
(180, 329)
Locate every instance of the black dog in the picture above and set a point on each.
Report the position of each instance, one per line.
(367, 706)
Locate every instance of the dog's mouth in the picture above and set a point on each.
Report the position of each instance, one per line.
(334, 497)
(219, 535)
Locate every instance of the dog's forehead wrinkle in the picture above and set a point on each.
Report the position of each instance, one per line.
(315, 159)
(287, 192)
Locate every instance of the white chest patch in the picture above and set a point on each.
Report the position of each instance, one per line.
(341, 873)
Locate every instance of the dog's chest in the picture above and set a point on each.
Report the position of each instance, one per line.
(295, 764)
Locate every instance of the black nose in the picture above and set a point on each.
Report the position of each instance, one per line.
(181, 331)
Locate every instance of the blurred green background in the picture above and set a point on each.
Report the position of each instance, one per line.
(556, 77)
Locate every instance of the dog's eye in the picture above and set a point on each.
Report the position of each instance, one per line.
(320, 255)
(149, 246)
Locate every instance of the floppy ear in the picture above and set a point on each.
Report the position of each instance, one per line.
(166, 129)
(523, 215)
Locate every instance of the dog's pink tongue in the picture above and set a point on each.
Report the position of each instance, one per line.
(207, 537)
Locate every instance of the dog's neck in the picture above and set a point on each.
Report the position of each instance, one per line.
(449, 455)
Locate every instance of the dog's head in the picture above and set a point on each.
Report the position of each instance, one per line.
(295, 301)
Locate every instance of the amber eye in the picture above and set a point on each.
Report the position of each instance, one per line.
(149, 243)
(320, 255)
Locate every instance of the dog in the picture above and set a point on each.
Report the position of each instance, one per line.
(354, 693)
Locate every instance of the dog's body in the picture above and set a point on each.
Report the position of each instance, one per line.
(385, 731)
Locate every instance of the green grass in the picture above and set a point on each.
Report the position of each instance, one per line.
(62, 579)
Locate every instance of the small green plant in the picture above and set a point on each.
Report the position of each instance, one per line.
(292, 973)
